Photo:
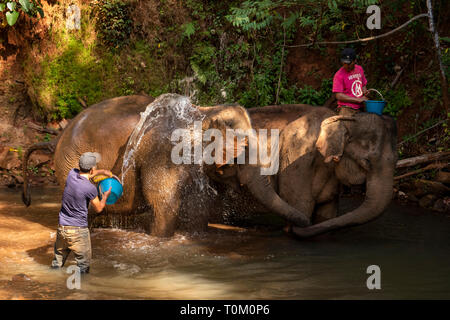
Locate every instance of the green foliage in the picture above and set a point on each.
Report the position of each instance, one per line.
(231, 50)
(12, 8)
(188, 29)
(431, 91)
(47, 137)
(252, 15)
(316, 97)
(397, 101)
(446, 62)
(33, 169)
(114, 23)
(64, 79)
(202, 62)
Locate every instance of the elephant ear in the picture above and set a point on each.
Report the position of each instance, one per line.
(332, 137)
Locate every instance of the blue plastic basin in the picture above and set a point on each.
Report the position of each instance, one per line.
(375, 106)
(116, 189)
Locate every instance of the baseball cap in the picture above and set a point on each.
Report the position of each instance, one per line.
(348, 55)
(88, 160)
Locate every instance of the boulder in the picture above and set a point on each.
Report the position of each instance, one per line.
(442, 205)
(3, 154)
(63, 123)
(423, 187)
(9, 159)
(53, 125)
(443, 177)
(427, 201)
(37, 158)
(411, 197)
(19, 179)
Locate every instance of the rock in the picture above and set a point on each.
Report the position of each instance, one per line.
(73, 20)
(442, 205)
(19, 179)
(3, 154)
(424, 187)
(53, 125)
(406, 186)
(443, 176)
(37, 158)
(412, 197)
(427, 201)
(20, 277)
(63, 123)
(9, 159)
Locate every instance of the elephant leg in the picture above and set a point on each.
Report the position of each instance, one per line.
(325, 211)
(327, 201)
(161, 191)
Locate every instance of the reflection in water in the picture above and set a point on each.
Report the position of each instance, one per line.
(409, 244)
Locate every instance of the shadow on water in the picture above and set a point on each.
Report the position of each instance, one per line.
(409, 244)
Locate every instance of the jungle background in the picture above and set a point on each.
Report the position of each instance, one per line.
(218, 52)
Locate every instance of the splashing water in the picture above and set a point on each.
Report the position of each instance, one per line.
(174, 112)
(178, 109)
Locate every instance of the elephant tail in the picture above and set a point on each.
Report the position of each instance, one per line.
(47, 146)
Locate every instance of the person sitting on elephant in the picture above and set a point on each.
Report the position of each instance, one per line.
(73, 232)
(349, 84)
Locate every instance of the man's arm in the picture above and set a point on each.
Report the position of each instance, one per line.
(98, 204)
(102, 172)
(345, 98)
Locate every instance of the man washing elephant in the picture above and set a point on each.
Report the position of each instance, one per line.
(73, 232)
(349, 84)
(161, 197)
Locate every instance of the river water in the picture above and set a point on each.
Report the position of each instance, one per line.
(409, 244)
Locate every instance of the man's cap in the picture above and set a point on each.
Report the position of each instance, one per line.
(348, 55)
(88, 160)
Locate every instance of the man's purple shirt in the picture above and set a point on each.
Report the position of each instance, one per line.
(78, 192)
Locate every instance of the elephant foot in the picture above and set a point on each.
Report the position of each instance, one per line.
(300, 221)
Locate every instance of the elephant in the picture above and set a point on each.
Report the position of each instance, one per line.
(320, 150)
(133, 135)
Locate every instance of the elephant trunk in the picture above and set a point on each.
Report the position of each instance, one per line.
(262, 190)
(48, 146)
(378, 196)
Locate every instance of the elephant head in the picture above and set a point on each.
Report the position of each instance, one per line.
(234, 174)
(363, 149)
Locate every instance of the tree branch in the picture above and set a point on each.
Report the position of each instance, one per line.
(420, 132)
(409, 162)
(431, 166)
(422, 15)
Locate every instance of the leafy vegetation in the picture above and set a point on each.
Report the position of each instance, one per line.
(227, 51)
(397, 100)
(113, 22)
(10, 10)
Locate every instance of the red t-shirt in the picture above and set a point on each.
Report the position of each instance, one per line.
(351, 84)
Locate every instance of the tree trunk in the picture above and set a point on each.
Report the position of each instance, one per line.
(438, 54)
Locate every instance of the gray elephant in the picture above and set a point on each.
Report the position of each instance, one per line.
(320, 150)
(135, 143)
